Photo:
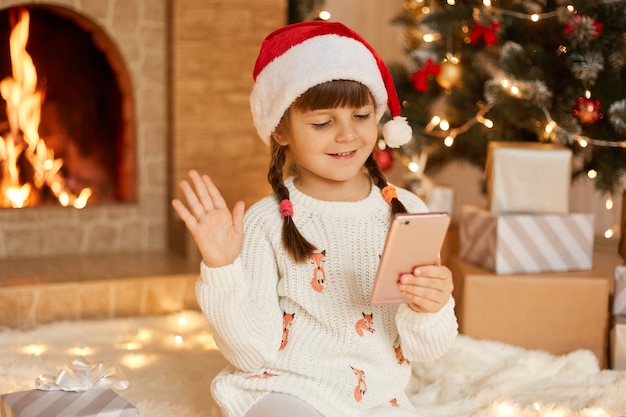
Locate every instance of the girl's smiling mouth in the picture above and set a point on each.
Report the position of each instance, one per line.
(342, 155)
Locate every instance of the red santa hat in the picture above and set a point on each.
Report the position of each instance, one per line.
(297, 57)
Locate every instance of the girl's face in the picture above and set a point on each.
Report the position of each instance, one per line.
(329, 146)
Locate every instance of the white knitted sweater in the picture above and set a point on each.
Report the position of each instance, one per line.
(309, 329)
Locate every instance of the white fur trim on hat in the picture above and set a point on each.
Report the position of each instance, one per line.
(397, 132)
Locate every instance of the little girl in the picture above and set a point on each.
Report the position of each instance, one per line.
(286, 287)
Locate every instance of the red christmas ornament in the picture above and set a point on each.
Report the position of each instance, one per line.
(384, 158)
(587, 110)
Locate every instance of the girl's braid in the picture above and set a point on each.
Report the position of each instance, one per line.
(381, 182)
(296, 245)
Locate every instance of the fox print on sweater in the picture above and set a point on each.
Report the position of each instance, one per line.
(309, 329)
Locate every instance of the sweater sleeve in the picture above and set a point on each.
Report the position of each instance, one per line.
(426, 336)
(240, 300)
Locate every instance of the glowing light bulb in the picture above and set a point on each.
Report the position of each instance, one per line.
(488, 123)
(324, 15)
(608, 203)
(444, 125)
(448, 141)
(34, 350)
(550, 127)
(487, 3)
(413, 166)
(64, 199)
(534, 17)
(80, 351)
(592, 173)
(583, 143)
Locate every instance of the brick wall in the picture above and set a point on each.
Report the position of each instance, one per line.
(214, 46)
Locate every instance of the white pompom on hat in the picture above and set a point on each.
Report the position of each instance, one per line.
(302, 55)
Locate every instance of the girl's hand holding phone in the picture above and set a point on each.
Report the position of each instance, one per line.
(217, 232)
(428, 289)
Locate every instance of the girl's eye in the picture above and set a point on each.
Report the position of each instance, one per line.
(362, 116)
(320, 125)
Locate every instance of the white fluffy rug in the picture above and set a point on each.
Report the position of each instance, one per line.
(171, 360)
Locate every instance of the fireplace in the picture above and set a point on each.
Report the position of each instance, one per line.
(104, 115)
(183, 68)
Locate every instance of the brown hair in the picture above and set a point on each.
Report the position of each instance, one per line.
(328, 95)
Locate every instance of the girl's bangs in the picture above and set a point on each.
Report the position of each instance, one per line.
(332, 94)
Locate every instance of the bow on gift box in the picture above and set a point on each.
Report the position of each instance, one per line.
(81, 375)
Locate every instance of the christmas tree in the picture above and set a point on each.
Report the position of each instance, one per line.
(516, 70)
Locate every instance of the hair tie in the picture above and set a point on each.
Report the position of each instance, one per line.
(389, 193)
(286, 208)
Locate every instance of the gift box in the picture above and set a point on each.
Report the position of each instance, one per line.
(556, 312)
(441, 199)
(618, 343)
(528, 177)
(512, 243)
(619, 291)
(81, 389)
(40, 403)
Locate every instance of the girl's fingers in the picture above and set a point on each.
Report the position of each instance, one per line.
(184, 214)
(217, 200)
(202, 192)
(195, 206)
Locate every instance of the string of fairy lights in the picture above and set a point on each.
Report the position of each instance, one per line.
(439, 127)
(549, 131)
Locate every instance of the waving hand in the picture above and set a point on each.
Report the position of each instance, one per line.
(217, 232)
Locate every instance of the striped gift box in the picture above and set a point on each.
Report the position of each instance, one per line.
(511, 243)
(619, 293)
(40, 403)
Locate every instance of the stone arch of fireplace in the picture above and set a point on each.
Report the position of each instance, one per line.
(87, 116)
(132, 35)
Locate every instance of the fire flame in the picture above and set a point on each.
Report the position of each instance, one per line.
(23, 104)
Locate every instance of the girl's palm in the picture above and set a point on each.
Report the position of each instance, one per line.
(217, 232)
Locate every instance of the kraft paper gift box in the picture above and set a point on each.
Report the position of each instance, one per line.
(618, 343)
(528, 177)
(619, 291)
(512, 243)
(557, 312)
(40, 403)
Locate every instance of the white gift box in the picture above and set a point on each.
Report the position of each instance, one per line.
(528, 177)
(618, 343)
(512, 243)
(441, 199)
(619, 292)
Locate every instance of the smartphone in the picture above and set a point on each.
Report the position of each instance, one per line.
(413, 240)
